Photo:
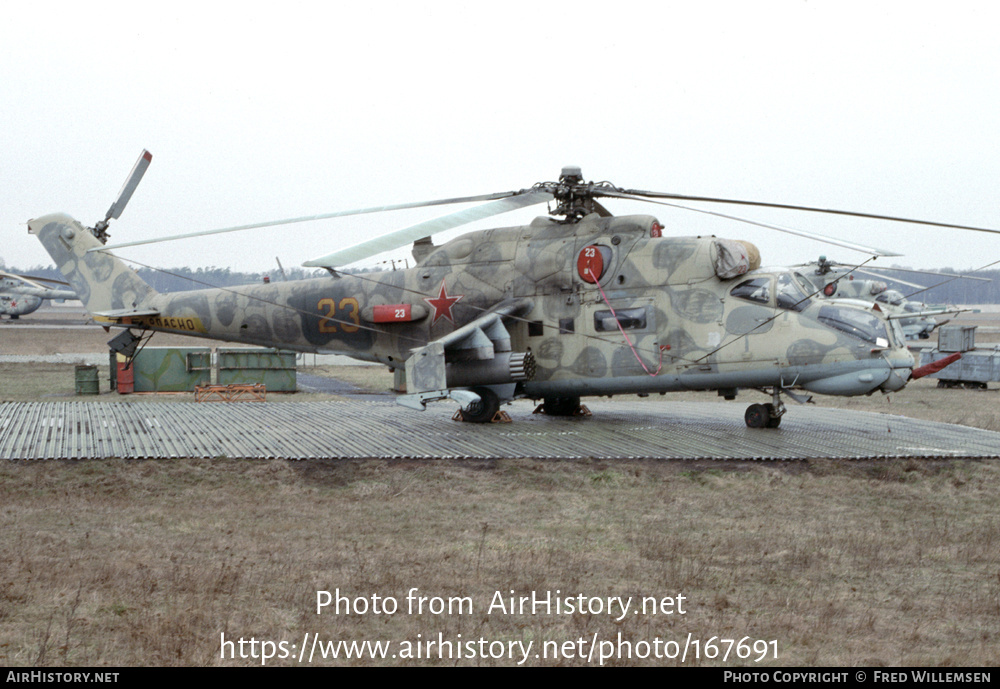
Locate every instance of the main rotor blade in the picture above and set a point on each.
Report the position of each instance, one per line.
(402, 237)
(681, 197)
(31, 279)
(307, 218)
(931, 272)
(886, 277)
(924, 314)
(801, 233)
(945, 282)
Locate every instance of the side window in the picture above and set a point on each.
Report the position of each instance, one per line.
(790, 295)
(756, 289)
(854, 322)
(630, 319)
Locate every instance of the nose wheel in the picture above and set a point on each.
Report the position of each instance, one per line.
(761, 416)
(766, 415)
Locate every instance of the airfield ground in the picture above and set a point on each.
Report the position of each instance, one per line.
(827, 563)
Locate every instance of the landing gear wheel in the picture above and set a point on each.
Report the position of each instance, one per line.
(485, 409)
(757, 416)
(561, 406)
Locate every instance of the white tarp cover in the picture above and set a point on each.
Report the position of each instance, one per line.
(734, 258)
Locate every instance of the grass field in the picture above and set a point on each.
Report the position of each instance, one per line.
(826, 563)
(832, 564)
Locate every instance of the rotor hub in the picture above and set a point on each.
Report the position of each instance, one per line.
(574, 195)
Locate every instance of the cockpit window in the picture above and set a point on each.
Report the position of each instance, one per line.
(757, 289)
(897, 331)
(806, 283)
(790, 294)
(854, 322)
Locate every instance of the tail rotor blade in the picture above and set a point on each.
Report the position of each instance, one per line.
(138, 170)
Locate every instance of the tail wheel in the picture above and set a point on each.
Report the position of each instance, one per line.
(485, 409)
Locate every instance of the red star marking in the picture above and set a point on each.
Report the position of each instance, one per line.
(442, 304)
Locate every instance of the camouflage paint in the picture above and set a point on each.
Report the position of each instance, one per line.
(687, 328)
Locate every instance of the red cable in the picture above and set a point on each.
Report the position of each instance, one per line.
(638, 358)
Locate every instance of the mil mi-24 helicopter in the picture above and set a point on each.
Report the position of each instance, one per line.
(23, 294)
(577, 303)
(837, 281)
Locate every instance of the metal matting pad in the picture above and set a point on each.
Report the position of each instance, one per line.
(352, 429)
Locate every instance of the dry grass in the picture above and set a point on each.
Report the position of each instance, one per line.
(147, 563)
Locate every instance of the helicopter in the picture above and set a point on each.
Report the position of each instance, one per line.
(23, 294)
(833, 280)
(577, 303)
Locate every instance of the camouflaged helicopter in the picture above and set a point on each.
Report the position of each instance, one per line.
(577, 303)
(23, 294)
(836, 281)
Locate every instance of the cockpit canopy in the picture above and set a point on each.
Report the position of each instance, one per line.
(788, 290)
(894, 297)
(792, 291)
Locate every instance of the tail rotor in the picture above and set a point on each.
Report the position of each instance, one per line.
(100, 230)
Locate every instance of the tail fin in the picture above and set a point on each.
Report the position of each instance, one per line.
(103, 282)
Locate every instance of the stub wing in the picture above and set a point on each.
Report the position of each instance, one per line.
(477, 354)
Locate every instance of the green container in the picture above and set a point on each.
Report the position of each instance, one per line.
(171, 369)
(87, 381)
(273, 368)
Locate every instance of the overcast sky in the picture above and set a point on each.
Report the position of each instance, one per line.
(256, 111)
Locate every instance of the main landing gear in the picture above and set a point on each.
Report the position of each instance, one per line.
(482, 411)
(561, 406)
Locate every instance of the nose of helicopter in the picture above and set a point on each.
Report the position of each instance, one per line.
(901, 368)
